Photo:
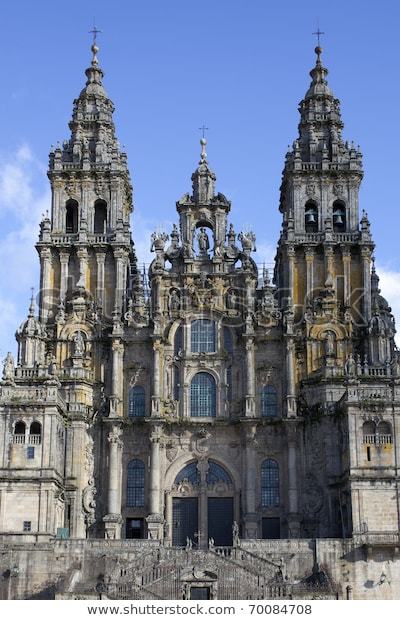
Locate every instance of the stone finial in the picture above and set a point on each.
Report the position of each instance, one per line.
(203, 179)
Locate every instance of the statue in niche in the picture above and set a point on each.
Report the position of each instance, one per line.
(330, 344)
(231, 300)
(203, 241)
(174, 301)
(235, 534)
(79, 344)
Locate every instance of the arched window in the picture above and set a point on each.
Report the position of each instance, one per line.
(71, 216)
(100, 217)
(178, 341)
(339, 216)
(269, 402)
(189, 473)
(269, 483)
(228, 343)
(203, 399)
(216, 473)
(203, 336)
(137, 402)
(19, 428)
(311, 217)
(135, 484)
(369, 432)
(384, 433)
(35, 432)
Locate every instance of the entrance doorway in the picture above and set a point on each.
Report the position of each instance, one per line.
(220, 520)
(184, 520)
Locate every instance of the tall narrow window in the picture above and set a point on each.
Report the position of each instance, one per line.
(137, 402)
(203, 336)
(228, 344)
(71, 216)
(311, 217)
(176, 382)
(178, 341)
(135, 484)
(339, 216)
(269, 484)
(203, 396)
(269, 402)
(100, 217)
(35, 433)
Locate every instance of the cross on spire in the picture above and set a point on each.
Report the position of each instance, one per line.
(318, 34)
(95, 31)
(203, 129)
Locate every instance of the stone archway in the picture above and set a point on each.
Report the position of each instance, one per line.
(203, 505)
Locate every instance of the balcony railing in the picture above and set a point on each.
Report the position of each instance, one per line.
(18, 439)
(34, 440)
(377, 439)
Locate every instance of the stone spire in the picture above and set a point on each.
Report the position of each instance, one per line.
(203, 179)
(93, 138)
(320, 128)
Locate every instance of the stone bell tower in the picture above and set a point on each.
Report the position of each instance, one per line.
(324, 252)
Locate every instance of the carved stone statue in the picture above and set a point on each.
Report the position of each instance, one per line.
(350, 366)
(8, 368)
(79, 344)
(248, 241)
(174, 301)
(203, 241)
(330, 344)
(235, 534)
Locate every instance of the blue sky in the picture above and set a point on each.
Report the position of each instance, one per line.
(239, 66)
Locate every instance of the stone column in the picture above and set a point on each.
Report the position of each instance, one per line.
(328, 249)
(155, 520)
(45, 285)
(250, 378)
(366, 262)
(291, 258)
(64, 259)
(100, 293)
(293, 517)
(113, 520)
(346, 257)
(310, 253)
(251, 477)
(155, 400)
(116, 378)
(290, 374)
(82, 255)
(120, 270)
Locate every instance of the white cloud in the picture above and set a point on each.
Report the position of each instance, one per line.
(24, 196)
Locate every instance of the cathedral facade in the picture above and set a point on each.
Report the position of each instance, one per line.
(202, 430)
